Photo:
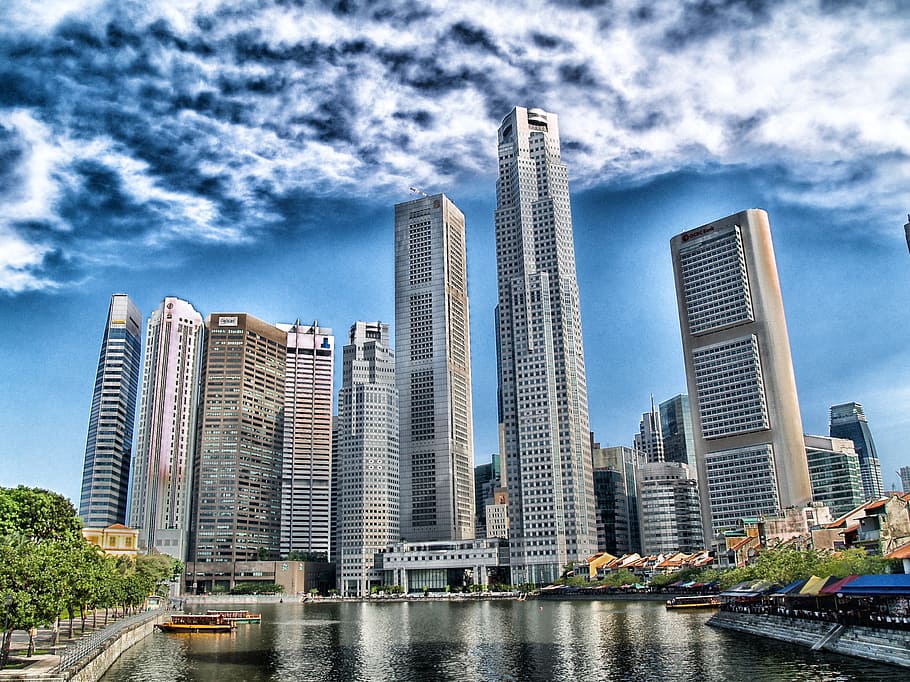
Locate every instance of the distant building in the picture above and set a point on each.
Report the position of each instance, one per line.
(306, 460)
(366, 456)
(109, 444)
(497, 515)
(905, 479)
(163, 463)
(649, 440)
(616, 495)
(745, 412)
(907, 230)
(433, 371)
(115, 540)
(236, 507)
(669, 509)
(676, 427)
(296, 577)
(849, 421)
(834, 472)
(487, 478)
(435, 566)
(542, 381)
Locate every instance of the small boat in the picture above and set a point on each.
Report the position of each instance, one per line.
(702, 601)
(238, 616)
(197, 623)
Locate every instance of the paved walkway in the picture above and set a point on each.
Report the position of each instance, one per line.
(43, 664)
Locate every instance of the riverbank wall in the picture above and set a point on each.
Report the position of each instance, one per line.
(881, 645)
(91, 667)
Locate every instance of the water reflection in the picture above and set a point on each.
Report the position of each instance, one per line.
(516, 641)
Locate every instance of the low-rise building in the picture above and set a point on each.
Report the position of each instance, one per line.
(436, 566)
(880, 526)
(296, 577)
(115, 540)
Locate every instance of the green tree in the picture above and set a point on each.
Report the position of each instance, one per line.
(31, 586)
(37, 515)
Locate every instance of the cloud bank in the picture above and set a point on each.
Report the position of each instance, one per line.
(198, 122)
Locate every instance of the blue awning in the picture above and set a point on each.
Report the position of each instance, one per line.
(888, 584)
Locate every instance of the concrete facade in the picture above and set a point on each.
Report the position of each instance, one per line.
(163, 463)
(436, 565)
(745, 412)
(433, 371)
(542, 379)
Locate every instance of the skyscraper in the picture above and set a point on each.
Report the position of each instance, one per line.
(904, 473)
(306, 463)
(834, 472)
(907, 230)
(542, 387)
(433, 371)
(367, 456)
(163, 464)
(746, 421)
(650, 440)
(669, 509)
(616, 472)
(109, 444)
(236, 508)
(849, 421)
(676, 427)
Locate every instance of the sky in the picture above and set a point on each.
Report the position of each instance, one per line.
(247, 155)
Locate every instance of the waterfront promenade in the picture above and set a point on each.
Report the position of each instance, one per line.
(59, 656)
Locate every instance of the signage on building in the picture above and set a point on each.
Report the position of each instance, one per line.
(227, 321)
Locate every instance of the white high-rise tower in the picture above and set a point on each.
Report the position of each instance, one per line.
(433, 371)
(543, 392)
(367, 456)
(306, 462)
(162, 465)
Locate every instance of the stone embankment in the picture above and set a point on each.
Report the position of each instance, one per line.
(882, 645)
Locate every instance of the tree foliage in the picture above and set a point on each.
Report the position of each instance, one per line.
(37, 515)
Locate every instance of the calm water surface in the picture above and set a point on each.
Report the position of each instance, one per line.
(577, 641)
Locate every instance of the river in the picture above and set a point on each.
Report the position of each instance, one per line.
(581, 641)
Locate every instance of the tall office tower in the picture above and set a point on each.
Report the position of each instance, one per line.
(905, 478)
(745, 413)
(616, 498)
(907, 230)
(676, 427)
(108, 447)
(163, 464)
(669, 509)
(367, 451)
(849, 421)
(834, 473)
(306, 466)
(650, 440)
(433, 371)
(541, 359)
(236, 508)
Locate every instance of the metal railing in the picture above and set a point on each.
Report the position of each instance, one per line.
(88, 647)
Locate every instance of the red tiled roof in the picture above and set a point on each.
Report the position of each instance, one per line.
(902, 552)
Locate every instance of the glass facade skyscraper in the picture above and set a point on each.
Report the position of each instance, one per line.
(163, 463)
(676, 427)
(109, 444)
(849, 421)
(542, 384)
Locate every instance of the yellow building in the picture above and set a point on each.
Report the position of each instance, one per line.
(116, 540)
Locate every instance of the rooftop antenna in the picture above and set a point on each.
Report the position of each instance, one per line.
(419, 191)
